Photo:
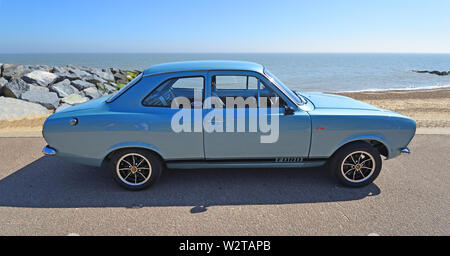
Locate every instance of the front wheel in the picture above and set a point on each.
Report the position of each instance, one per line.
(356, 165)
(135, 169)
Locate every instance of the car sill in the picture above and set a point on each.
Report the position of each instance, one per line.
(206, 165)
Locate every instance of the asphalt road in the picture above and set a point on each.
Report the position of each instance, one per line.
(47, 196)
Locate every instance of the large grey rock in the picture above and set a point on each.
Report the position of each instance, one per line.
(110, 70)
(79, 73)
(81, 84)
(37, 67)
(58, 70)
(49, 100)
(38, 88)
(92, 93)
(115, 70)
(15, 87)
(64, 88)
(106, 88)
(70, 66)
(3, 81)
(14, 108)
(121, 77)
(90, 70)
(108, 74)
(66, 75)
(94, 79)
(77, 67)
(39, 77)
(12, 70)
(64, 82)
(104, 74)
(63, 107)
(74, 99)
(1, 67)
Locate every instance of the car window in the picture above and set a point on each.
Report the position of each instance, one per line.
(236, 82)
(175, 88)
(225, 87)
(269, 98)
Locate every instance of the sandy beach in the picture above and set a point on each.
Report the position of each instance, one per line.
(430, 108)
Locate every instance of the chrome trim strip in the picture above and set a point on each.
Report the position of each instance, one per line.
(48, 151)
(405, 151)
(198, 70)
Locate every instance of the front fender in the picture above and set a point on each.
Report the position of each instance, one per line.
(333, 128)
(377, 138)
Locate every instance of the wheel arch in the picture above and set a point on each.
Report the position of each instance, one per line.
(378, 143)
(141, 146)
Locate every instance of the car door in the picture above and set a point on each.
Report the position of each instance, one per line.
(232, 134)
(176, 129)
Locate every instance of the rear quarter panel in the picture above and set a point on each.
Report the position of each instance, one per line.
(97, 134)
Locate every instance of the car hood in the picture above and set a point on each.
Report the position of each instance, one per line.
(331, 101)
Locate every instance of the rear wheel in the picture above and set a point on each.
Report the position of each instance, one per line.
(356, 165)
(135, 169)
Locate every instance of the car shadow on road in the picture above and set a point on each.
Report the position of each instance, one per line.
(53, 183)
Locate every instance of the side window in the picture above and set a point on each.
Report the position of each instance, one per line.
(170, 90)
(235, 82)
(268, 97)
(225, 87)
(245, 87)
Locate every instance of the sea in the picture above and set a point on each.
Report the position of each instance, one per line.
(303, 72)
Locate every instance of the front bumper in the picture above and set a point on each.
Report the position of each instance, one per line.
(48, 151)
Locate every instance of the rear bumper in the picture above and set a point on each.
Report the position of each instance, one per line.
(48, 151)
(405, 151)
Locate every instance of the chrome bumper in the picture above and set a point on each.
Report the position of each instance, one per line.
(48, 151)
(405, 151)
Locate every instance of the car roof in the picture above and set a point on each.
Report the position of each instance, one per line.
(203, 66)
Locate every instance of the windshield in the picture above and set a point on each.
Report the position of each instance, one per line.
(126, 87)
(293, 96)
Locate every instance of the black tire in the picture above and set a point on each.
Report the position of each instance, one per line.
(143, 178)
(342, 164)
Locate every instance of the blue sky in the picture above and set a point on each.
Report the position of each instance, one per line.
(67, 26)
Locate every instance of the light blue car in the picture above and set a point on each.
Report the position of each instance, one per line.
(225, 114)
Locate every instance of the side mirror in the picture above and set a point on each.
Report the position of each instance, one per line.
(289, 111)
